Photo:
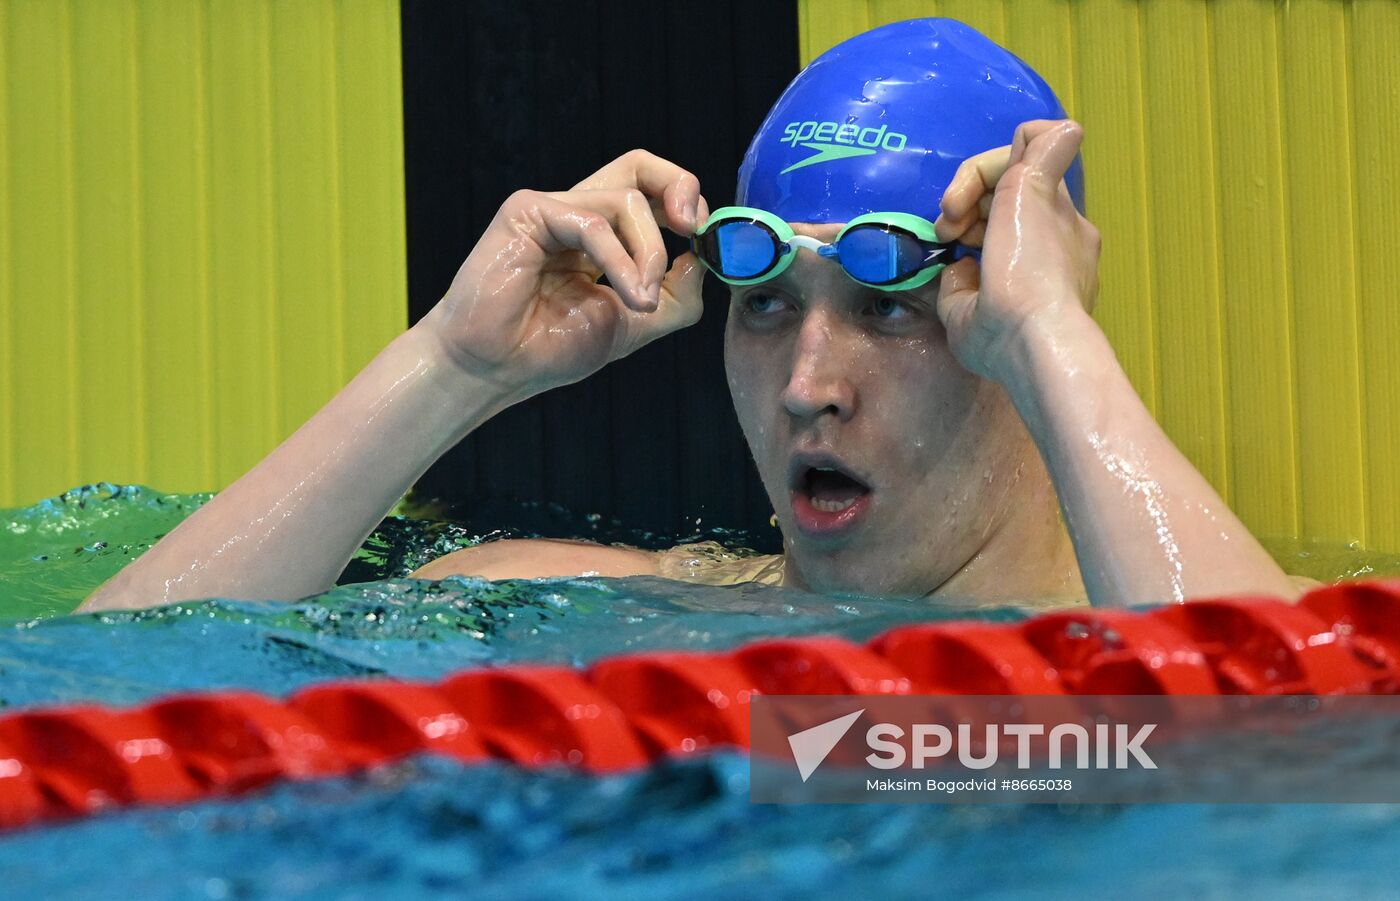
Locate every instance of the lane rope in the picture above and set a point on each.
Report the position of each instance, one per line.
(627, 711)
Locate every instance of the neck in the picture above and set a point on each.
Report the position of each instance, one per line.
(1028, 559)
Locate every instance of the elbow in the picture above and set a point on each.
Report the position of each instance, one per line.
(113, 594)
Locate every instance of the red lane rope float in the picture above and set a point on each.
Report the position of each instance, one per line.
(627, 711)
(969, 658)
(1367, 616)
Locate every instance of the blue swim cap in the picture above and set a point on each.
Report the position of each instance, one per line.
(880, 122)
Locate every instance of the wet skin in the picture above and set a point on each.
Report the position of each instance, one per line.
(864, 380)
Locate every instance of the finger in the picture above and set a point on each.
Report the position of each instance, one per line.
(973, 184)
(702, 211)
(565, 226)
(631, 214)
(680, 306)
(957, 293)
(976, 178)
(1048, 155)
(946, 230)
(1027, 132)
(637, 222)
(673, 191)
(682, 298)
(975, 236)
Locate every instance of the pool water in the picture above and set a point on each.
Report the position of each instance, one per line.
(678, 830)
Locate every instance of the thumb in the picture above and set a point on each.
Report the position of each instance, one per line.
(680, 305)
(681, 300)
(1049, 155)
(957, 293)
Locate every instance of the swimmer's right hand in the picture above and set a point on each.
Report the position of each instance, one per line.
(526, 312)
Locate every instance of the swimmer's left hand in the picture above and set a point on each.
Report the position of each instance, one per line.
(1039, 255)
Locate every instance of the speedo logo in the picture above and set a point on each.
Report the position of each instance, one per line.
(834, 141)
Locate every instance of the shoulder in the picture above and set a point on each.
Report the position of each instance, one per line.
(710, 563)
(539, 558)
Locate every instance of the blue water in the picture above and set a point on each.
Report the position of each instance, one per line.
(676, 831)
(688, 832)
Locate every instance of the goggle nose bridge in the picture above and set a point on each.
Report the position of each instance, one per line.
(807, 242)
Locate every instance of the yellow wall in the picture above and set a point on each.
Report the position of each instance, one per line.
(1243, 163)
(201, 230)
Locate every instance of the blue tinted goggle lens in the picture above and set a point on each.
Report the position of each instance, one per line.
(744, 249)
(878, 255)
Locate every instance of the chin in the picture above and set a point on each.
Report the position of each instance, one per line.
(848, 571)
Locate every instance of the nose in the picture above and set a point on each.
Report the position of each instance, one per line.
(820, 382)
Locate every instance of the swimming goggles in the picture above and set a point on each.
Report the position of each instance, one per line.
(888, 251)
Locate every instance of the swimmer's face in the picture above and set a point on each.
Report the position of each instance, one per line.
(827, 374)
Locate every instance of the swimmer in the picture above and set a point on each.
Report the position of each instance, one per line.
(953, 425)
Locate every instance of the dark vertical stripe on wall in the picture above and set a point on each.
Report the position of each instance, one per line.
(540, 94)
(570, 95)
(499, 149)
(438, 204)
(638, 95)
(708, 455)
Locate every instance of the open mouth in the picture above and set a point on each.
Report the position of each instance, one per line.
(831, 490)
(826, 498)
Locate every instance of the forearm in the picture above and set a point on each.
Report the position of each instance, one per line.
(287, 528)
(1146, 526)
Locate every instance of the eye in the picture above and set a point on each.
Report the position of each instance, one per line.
(887, 307)
(763, 304)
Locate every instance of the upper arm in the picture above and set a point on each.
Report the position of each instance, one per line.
(536, 558)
